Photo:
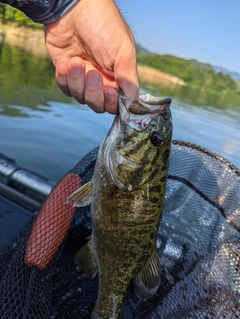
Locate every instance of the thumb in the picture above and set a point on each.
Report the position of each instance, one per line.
(126, 77)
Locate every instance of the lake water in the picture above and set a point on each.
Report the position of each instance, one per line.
(49, 133)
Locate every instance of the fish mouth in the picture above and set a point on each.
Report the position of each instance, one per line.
(138, 113)
(145, 104)
(152, 100)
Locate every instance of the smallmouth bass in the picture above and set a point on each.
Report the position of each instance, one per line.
(127, 195)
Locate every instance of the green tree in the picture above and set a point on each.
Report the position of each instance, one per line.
(2, 12)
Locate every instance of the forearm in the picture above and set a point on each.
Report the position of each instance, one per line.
(42, 11)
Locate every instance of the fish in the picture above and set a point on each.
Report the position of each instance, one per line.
(127, 196)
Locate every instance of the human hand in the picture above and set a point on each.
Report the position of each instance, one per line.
(93, 51)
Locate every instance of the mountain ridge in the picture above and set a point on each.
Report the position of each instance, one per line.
(233, 74)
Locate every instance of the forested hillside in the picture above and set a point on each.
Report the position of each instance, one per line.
(191, 71)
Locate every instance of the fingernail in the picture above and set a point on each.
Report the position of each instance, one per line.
(109, 98)
(62, 68)
(75, 72)
(93, 80)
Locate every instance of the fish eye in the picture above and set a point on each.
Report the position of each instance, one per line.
(157, 138)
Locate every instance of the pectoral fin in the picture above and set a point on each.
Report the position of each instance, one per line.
(85, 260)
(147, 281)
(82, 196)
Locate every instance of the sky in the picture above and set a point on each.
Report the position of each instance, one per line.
(205, 30)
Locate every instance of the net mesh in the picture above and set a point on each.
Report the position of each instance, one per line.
(198, 244)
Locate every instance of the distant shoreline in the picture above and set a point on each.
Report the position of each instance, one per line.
(154, 76)
(32, 41)
(24, 38)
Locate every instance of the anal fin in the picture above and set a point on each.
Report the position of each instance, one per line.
(147, 281)
(85, 260)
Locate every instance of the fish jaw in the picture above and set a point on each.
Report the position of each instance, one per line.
(138, 113)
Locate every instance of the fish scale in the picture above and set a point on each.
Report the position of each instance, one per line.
(127, 195)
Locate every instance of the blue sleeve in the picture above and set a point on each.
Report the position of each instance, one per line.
(42, 11)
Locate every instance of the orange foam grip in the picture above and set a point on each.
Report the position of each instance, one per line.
(52, 223)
